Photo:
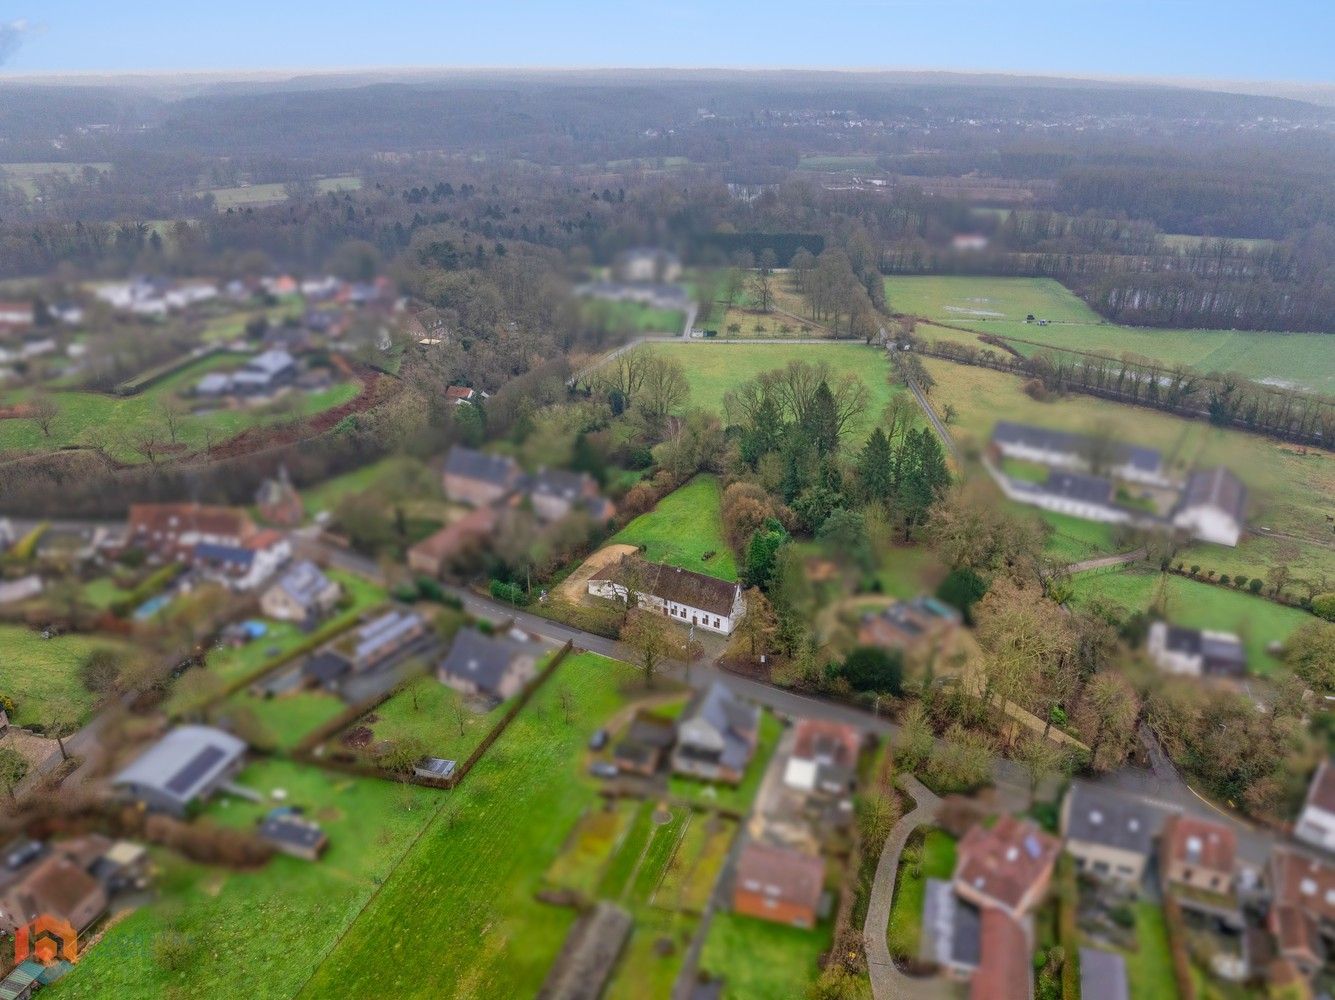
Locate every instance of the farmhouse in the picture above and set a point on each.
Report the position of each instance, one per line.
(1078, 453)
(778, 884)
(687, 597)
(303, 593)
(186, 766)
(478, 478)
(1213, 506)
(497, 667)
(1195, 652)
(716, 736)
(1110, 836)
(1316, 823)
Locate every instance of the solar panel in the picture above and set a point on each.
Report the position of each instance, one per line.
(187, 777)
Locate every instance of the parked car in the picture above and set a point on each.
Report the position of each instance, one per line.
(598, 740)
(602, 769)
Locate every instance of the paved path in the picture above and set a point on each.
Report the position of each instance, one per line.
(944, 434)
(887, 982)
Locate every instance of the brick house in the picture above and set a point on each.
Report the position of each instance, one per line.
(778, 884)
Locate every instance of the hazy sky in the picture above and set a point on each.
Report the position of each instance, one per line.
(1222, 39)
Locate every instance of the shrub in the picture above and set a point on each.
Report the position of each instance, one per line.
(962, 588)
(1239, 580)
(1323, 606)
(1223, 578)
(510, 592)
(1195, 569)
(869, 668)
(1254, 585)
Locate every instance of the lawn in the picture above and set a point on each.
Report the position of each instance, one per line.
(118, 417)
(1150, 967)
(428, 709)
(713, 368)
(287, 718)
(1286, 485)
(642, 971)
(257, 195)
(999, 305)
(760, 960)
(26, 175)
(737, 798)
(831, 162)
(684, 527)
(595, 839)
(42, 675)
(1255, 620)
(633, 317)
(930, 856)
(327, 494)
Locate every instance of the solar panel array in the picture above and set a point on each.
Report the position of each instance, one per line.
(201, 764)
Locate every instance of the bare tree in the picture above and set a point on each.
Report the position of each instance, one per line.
(42, 410)
(651, 640)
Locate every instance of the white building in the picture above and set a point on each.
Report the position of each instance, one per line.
(686, 597)
(1078, 453)
(1316, 823)
(1195, 652)
(1213, 506)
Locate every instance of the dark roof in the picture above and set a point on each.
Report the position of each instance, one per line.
(1102, 975)
(1077, 486)
(735, 720)
(568, 486)
(1179, 639)
(1218, 647)
(230, 554)
(468, 463)
(1047, 439)
(287, 829)
(183, 762)
(1215, 487)
(953, 925)
(651, 730)
(482, 659)
(325, 666)
(304, 583)
(671, 583)
(1101, 816)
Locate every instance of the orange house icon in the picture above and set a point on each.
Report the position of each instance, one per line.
(46, 938)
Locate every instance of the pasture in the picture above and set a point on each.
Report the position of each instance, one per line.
(43, 675)
(261, 195)
(712, 369)
(686, 530)
(1290, 489)
(1193, 603)
(119, 418)
(29, 177)
(998, 306)
(631, 317)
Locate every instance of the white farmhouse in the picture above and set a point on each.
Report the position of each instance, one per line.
(1213, 506)
(686, 597)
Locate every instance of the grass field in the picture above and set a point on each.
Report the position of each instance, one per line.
(632, 316)
(595, 839)
(26, 175)
(1255, 620)
(42, 675)
(714, 369)
(257, 195)
(850, 163)
(935, 858)
(118, 417)
(1290, 492)
(428, 709)
(409, 873)
(999, 306)
(760, 960)
(685, 526)
(290, 717)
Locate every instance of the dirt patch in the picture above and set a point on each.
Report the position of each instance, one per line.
(31, 747)
(357, 738)
(574, 588)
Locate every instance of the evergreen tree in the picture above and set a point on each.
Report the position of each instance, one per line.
(875, 468)
(822, 421)
(762, 554)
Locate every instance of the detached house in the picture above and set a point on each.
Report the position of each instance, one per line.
(1111, 836)
(497, 667)
(824, 758)
(555, 493)
(478, 478)
(923, 623)
(1316, 823)
(58, 886)
(716, 736)
(1006, 867)
(1078, 453)
(1213, 506)
(243, 567)
(778, 884)
(1198, 854)
(302, 593)
(689, 598)
(1195, 652)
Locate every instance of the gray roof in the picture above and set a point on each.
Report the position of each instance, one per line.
(568, 486)
(383, 631)
(183, 762)
(271, 362)
(482, 659)
(1076, 486)
(468, 463)
(1218, 648)
(1215, 487)
(304, 583)
(1008, 432)
(1097, 815)
(733, 718)
(952, 928)
(1102, 975)
(283, 829)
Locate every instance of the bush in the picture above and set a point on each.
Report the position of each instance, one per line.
(962, 589)
(869, 668)
(1323, 606)
(173, 950)
(1254, 585)
(510, 592)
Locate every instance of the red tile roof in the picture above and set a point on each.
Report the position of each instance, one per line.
(814, 738)
(1200, 843)
(1303, 881)
(781, 873)
(1004, 969)
(1321, 792)
(1006, 863)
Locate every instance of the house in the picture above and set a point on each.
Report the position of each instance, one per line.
(292, 834)
(1103, 975)
(1005, 966)
(1297, 937)
(645, 745)
(1110, 836)
(478, 478)
(1006, 867)
(326, 668)
(687, 597)
(1078, 453)
(952, 930)
(264, 373)
(183, 768)
(170, 531)
(1195, 652)
(433, 554)
(382, 638)
(461, 395)
(1213, 506)
(1316, 822)
(16, 315)
(1302, 906)
(495, 666)
(279, 502)
(716, 736)
(245, 566)
(1198, 854)
(646, 264)
(20, 589)
(824, 759)
(56, 886)
(555, 493)
(302, 593)
(921, 624)
(778, 884)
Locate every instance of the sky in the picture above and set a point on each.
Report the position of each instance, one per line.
(1285, 40)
